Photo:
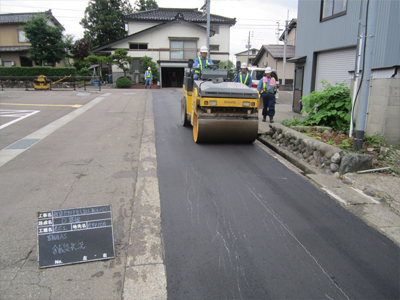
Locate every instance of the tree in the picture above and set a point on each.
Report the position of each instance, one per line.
(147, 62)
(229, 65)
(47, 44)
(80, 50)
(142, 5)
(226, 64)
(121, 59)
(68, 40)
(97, 60)
(104, 22)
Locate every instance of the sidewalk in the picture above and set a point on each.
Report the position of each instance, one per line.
(374, 197)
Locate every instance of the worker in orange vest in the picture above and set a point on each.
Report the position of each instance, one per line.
(267, 88)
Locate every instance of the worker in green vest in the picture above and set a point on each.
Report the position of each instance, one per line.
(201, 62)
(148, 76)
(244, 76)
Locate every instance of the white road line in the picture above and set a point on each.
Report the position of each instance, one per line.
(25, 143)
(19, 114)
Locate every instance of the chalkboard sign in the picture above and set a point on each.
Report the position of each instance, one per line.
(76, 235)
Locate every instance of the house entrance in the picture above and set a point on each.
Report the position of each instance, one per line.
(172, 77)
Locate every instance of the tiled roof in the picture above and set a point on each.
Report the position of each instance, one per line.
(245, 52)
(277, 50)
(13, 48)
(20, 18)
(168, 14)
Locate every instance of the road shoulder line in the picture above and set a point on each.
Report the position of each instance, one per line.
(145, 276)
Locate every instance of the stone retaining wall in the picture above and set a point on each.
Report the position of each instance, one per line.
(315, 153)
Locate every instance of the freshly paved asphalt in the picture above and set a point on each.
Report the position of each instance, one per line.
(237, 224)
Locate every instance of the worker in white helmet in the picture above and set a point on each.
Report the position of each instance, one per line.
(244, 76)
(267, 89)
(201, 62)
(148, 76)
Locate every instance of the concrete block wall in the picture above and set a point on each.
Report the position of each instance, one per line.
(384, 109)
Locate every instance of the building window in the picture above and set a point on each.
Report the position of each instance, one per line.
(183, 50)
(135, 66)
(136, 46)
(21, 37)
(215, 28)
(332, 8)
(214, 47)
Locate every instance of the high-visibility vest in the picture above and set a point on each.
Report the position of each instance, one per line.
(245, 80)
(201, 65)
(148, 74)
(271, 83)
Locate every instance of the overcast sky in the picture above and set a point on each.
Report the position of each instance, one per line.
(259, 17)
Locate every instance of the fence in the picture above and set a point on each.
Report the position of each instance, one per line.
(68, 83)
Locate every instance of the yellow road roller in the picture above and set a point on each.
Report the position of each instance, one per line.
(219, 111)
(42, 83)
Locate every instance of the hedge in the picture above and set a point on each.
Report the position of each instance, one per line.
(36, 71)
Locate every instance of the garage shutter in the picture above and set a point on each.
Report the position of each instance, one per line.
(334, 66)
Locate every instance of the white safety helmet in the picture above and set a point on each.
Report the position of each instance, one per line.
(243, 66)
(268, 70)
(204, 49)
(149, 68)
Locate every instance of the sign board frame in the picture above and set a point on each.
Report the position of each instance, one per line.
(78, 235)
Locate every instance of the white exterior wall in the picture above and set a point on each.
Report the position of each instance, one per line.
(139, 26)
(158, 40)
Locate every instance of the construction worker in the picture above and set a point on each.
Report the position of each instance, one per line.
(267, 89)
(201, 62)
(148, 76)
(244, 76)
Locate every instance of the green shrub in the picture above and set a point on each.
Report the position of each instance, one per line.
(331, 107)
(85, 72)
(291, 122)
(123, 82)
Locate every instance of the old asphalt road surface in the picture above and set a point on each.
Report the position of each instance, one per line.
(238, 224)
(100, 151)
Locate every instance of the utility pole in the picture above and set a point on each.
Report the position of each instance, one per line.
(206, 11)
(277, 33)
(372, 8)
(284, 50)
(248, 49)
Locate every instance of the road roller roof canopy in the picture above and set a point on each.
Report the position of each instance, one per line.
(226, 90)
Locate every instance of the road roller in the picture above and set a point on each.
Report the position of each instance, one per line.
(42, 83)
(219, 111)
